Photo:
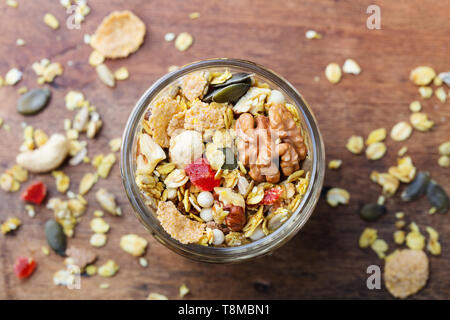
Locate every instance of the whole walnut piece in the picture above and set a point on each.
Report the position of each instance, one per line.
(236, 219)
(282, 122)
(265, 141)
(257, 148)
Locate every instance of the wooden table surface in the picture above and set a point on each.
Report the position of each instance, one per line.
(323, 260)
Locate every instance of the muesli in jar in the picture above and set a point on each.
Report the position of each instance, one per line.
(219, 158)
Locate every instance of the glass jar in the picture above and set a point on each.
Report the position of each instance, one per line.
(315, 163)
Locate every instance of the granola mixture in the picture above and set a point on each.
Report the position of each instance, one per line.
(219, 158)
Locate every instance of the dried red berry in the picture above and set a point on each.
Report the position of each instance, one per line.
(24, 267)
(202, 175)
(35, 192)
(272, 195)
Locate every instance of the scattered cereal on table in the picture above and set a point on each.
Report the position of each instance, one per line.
(120, 34)
(133, 244)
(351, 66)
(156, 296)
(333, 73)
(183, 41)
(355, 144)
(184, 290)
(109, 269)
(405, 272)
(422, 76)
(312, 34)
(51, 21)
(11, 224)
(336, 196)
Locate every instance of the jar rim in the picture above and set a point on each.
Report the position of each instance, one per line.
(256, 248)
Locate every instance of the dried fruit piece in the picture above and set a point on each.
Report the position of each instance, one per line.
(120, 34)
(201, 174)
(35, 192)
(333, 72)
(444, 148)
(176, 178)
(150, 154)
(406, 272)
(24, 267)
(272, 195)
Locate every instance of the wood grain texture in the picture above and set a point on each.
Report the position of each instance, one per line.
(323, 260)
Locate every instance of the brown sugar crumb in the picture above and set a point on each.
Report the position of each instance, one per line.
(194, 85)
(177, 225)
(120, 34)
(161, 114)
(406, 272)
(202, 116)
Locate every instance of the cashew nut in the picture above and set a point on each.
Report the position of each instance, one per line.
(47, 157)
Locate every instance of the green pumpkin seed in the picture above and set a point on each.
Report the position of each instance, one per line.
(230, 159)
(55, 236)
(437, 197)
(372, 211)
(417, 187)
(33, 101)
(240, 77)
(230, 94)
